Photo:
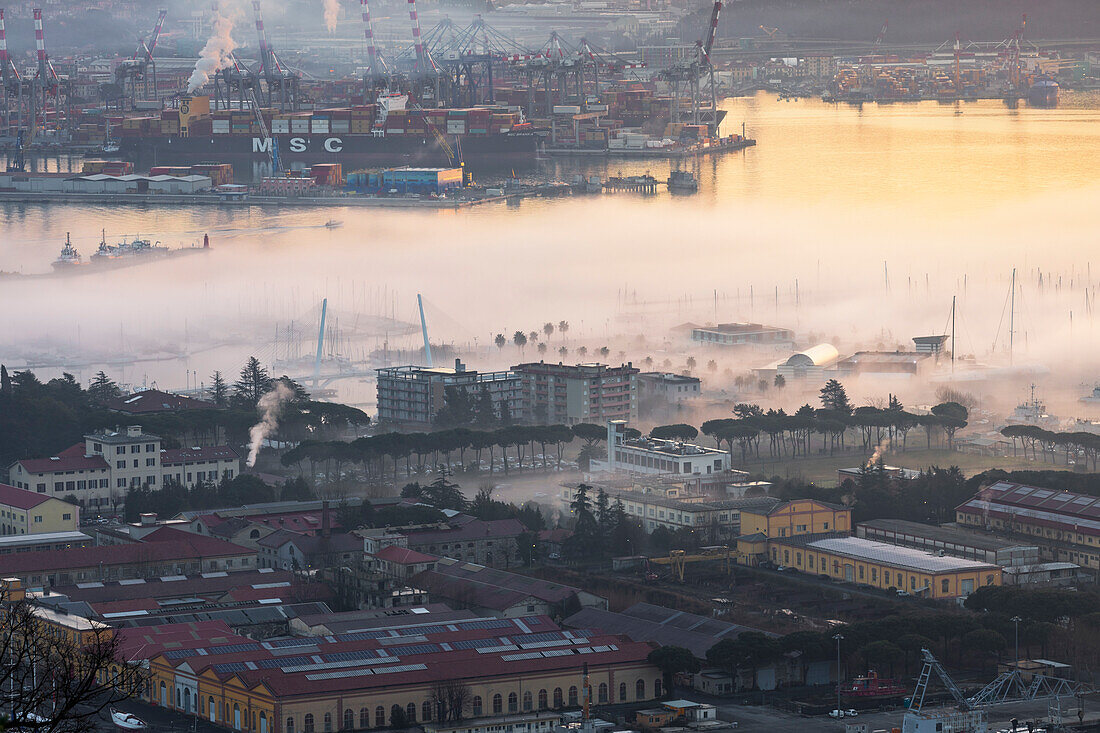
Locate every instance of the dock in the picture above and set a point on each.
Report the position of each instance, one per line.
(635, 184)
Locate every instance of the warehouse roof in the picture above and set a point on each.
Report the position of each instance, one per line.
(154, 400)
(948, 534)
(665, 626)
(908, 558)
(1047, 507)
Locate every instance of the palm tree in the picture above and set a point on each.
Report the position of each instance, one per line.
(519, 338)
(582, 351)
(500, 340)
(563, 328)
(548, 329)
(563, 352)
(533, 337)
(542, 347)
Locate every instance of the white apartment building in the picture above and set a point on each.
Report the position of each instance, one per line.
(653, 456)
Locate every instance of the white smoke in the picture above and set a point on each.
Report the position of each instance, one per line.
(332, 13)
(215, 54)
(882, 448)
(270, 406)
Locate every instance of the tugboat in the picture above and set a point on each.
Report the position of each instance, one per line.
(872, 687)
(127, 721)
(334, 224)
(69, 257)
(682, 182)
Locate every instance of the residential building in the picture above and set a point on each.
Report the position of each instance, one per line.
(168, 554)
(359, 681)
(654, 456)
(401, 563)
(491, 542)
(664, 393)
(883, 566)
(930, 344)
(500, 593)
(579, 393)
(820, 66)
(1065, 525)
(286, 550)
(742, 334)
(99, 471)
(24, 512)
(951, 540)
(414, 395)
(152, 401)
(718, 519)
(304, 517)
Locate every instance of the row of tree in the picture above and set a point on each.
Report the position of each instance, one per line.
(173, 497)
(1035, 438)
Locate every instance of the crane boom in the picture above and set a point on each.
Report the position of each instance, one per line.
(156, 35)
(265, 62)
(713, 30)
(273, 148)
(931, 664)
(7, 67)
(881, 36)
(375, 65)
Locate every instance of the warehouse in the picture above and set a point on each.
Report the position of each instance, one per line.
(1065, 525)
(951, 540)
(407, 180)
(880, 565)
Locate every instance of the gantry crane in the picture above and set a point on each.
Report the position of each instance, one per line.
(13, 84)
(277, 78)
(46, 83)
(136, 68)
(694, 78)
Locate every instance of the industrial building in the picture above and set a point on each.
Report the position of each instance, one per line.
(580, 393)
(1065, 525)
(102, 183)
(884, 566)
(742, 334)
(797, 517)
(811, 364)
(898, 365)
(951, 540)
(406, 180)
(44, 541)
(655, 456)
(24, 512)
(414, 395)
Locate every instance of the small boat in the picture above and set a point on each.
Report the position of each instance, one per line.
(125, 250)
(69, 257)
(127, 721)
(334, 224)
(682, 182)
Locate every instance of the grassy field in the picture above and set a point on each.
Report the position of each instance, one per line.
(822, 470)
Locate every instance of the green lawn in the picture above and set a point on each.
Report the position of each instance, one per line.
(822, 469)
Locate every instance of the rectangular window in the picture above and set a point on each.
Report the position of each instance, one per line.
(121, 483)
(41, 488)
(151, 480)
(135, 463)
(150, 447)
(150, 462)
(886, 577)
(861, 572)
(120, 464)
(38, 519)
(945, 585)
(66, 517)
(913, 582)
(58, 485)
(121, 450)
(135, 449)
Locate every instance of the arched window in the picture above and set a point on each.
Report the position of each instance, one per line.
(213, 710)
(657, 687)
(263, 722)
(187, 700)
(528, 701)
(542, 700)
(163, 695)
(307, 726)
(602, 692)
(236, 716)
(289, 725)
(426, 711)
(328, 722)
(573, 695)
(513, 702)
(558, 702)
(498, 704)
(622, 692)
(477, 705)
(379, 717)
(639, 690)
(410, 712)
(349, 719)
(179, 698)
(364, 718)
(395, 713)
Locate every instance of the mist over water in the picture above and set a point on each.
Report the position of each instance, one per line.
(852, 226)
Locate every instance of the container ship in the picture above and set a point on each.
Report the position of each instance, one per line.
(384, 134)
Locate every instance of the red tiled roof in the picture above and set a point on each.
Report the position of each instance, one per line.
(200, 543)
(194, 585)
(475, 530)
(20, 498)
(176, 456)
(403, 556)
(146, 642)
(70, 459)
(153, 400)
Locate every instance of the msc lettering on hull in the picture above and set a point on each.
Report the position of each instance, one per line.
(297, 145)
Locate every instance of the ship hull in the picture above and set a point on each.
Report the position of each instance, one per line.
(351, 151)
(1043, 96)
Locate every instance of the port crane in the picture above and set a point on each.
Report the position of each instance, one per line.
(277, 78)
(377, 77)
(694, 78)
(46, 82)
(769, 32)
(136, 68)
(13, 83)
(271, 144)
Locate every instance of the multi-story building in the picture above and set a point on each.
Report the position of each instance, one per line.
(25, 512)
(414, 395)
(797, 517)
(492, 542)
(653, 456)
(665, 392)
(1064, 525)
(883, 566)
(718, 519)
(99, 471)
(579, 393)
(742, 334)
(44, 541)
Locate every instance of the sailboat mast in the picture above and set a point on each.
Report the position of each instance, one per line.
(1012, 318)
(953, 334)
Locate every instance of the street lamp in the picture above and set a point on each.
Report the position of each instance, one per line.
(1016, 660)
(838, 638)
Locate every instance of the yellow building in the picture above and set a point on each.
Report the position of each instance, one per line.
(883, 566)
(800, 516)
(29, 512)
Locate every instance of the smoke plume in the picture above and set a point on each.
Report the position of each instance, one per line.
(215, 54)
(270, 406)
(332, 13)
(880, 449)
